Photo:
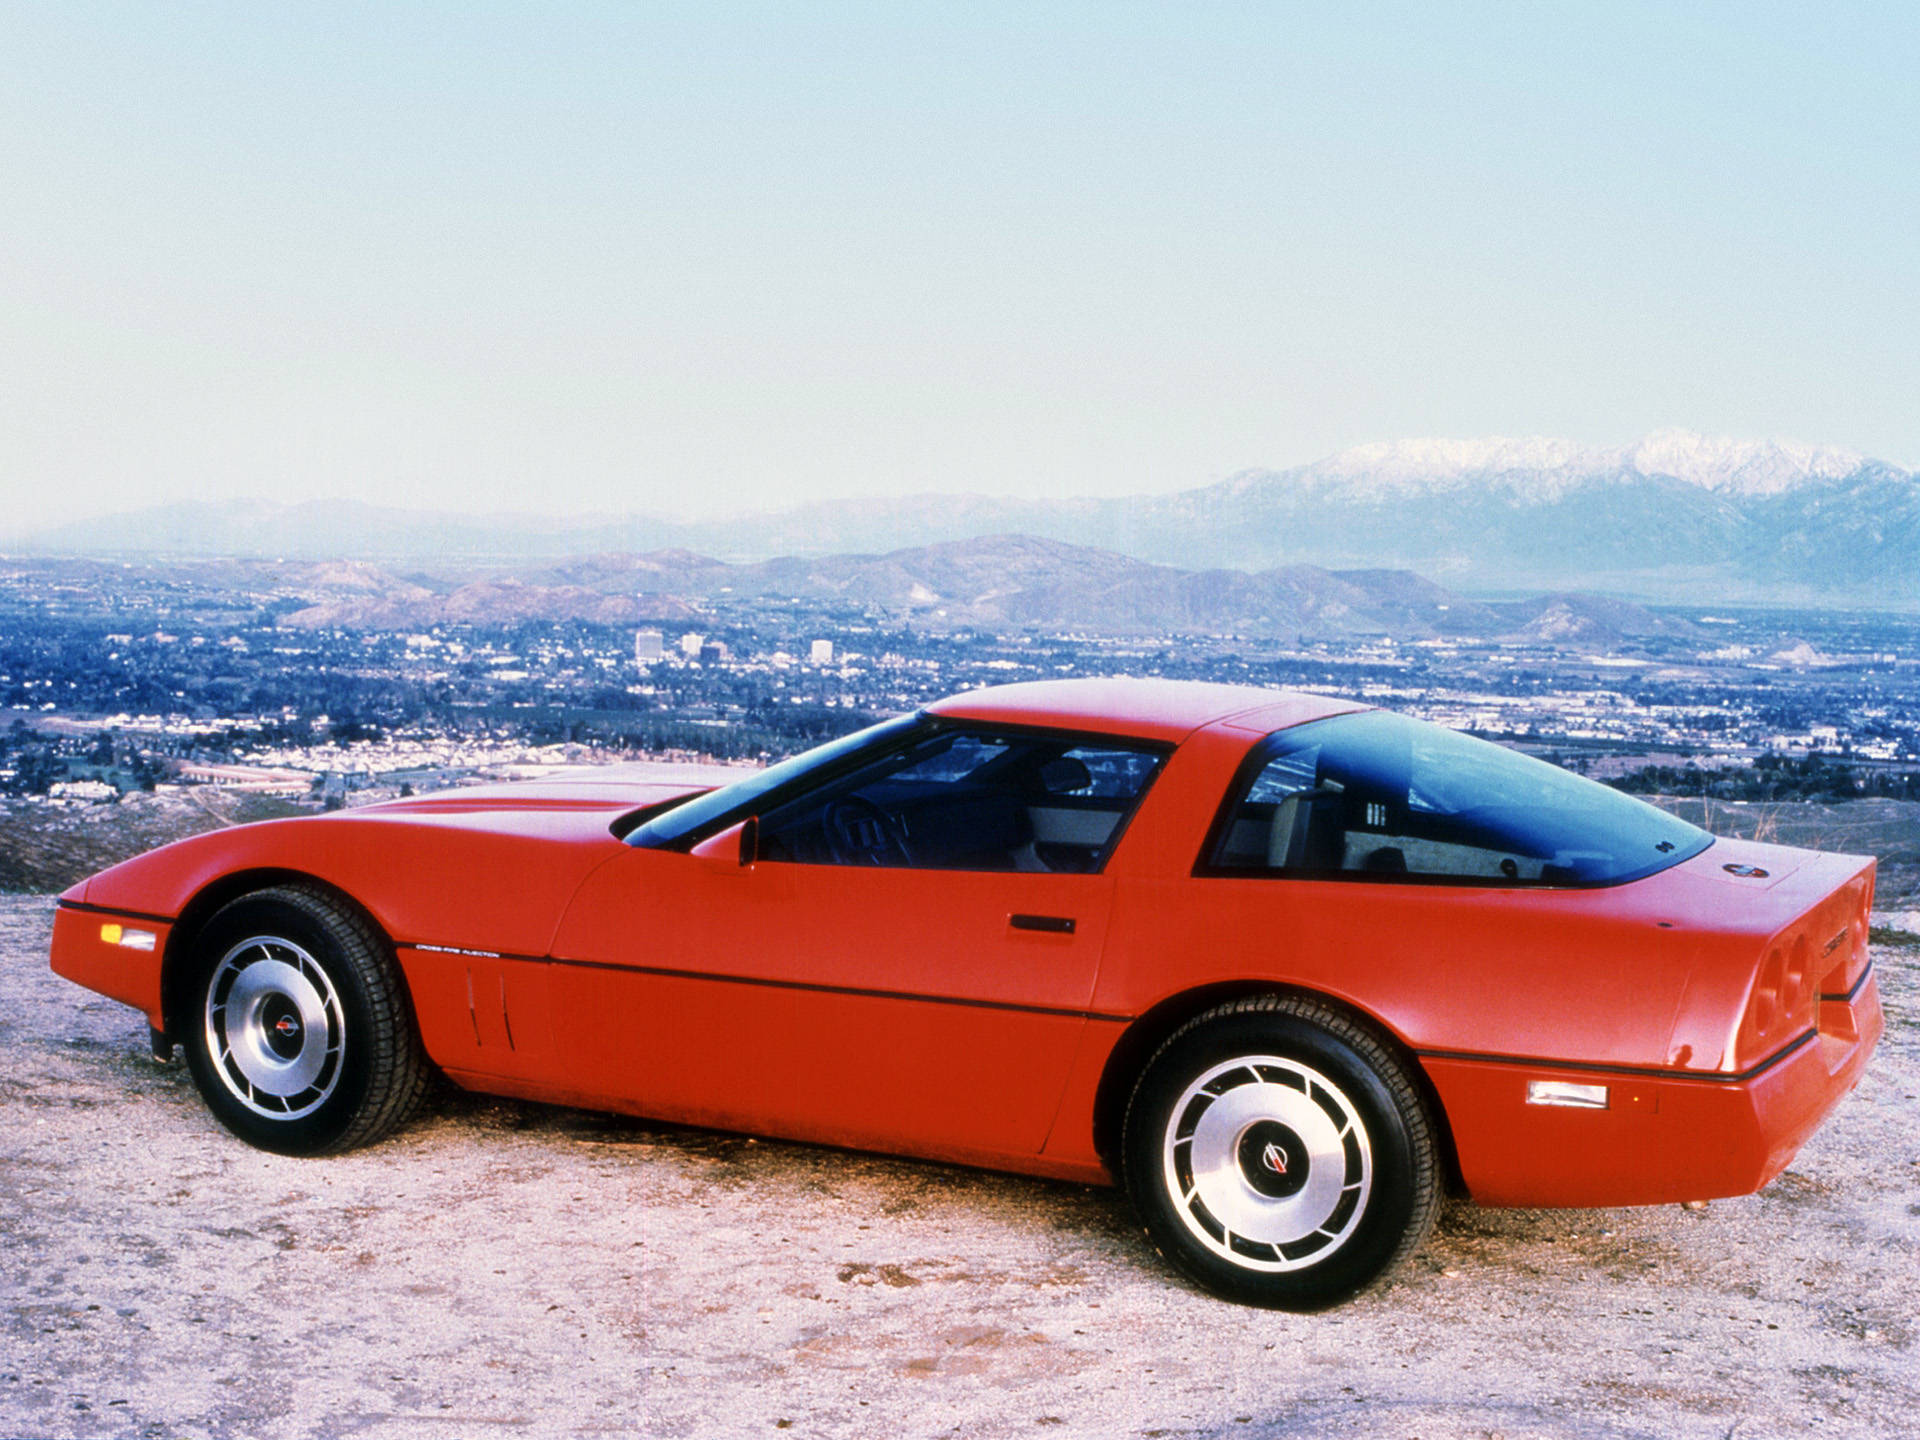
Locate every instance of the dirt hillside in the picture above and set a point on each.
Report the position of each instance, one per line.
(518, 1270)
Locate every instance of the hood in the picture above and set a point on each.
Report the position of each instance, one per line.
(611, 789)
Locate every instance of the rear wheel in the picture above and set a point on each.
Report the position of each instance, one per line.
(1279, 1154)
(299, 1033)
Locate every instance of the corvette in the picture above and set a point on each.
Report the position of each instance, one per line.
(1287, 967)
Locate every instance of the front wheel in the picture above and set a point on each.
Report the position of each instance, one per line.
(1278, 1154)
(300, 1036)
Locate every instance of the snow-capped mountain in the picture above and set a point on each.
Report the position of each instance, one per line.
(1546, 467)
(1673, 515)
(1740, 467)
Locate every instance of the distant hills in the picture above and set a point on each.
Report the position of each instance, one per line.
(1006, 581)
(1674, 516)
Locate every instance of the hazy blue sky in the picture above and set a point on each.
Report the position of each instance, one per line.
(705, 257)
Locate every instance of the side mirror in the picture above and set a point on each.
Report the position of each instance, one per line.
(737, 844)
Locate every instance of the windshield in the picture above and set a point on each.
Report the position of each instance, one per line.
(1381, 797)
(744, 797)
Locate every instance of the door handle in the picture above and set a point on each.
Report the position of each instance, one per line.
(1051, 924)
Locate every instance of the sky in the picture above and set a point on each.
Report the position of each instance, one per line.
(705, 258)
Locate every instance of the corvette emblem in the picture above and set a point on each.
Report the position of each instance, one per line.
(1275, 1159)
(286, 1025)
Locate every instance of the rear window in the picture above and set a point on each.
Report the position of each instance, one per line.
(1378, 796)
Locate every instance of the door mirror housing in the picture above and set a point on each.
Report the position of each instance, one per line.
(737, 844)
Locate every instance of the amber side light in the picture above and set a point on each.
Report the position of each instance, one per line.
(1568, 1094)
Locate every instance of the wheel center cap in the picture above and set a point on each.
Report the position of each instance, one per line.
(1273, 1159)
(283, 1029)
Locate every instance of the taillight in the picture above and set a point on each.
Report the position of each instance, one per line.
(1820, 958)
(1783, 1000)
(1763, 1011)
(1796, 987)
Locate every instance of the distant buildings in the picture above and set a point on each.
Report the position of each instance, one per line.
(258, 779)
(118, 673)
(95, 791)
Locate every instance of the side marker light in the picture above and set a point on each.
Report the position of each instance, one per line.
(127, 939)
(1565, 1092)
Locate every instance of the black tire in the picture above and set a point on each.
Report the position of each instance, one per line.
(299, 1032)
(1296, 1123)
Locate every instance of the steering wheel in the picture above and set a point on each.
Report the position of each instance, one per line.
(859, 832)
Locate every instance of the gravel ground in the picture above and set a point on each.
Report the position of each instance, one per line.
(517, 1269)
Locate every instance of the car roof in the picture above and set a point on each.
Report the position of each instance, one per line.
(1150, 709)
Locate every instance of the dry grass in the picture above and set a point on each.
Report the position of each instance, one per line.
(1889, 830)
(45, 847)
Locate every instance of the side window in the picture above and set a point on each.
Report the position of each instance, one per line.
(1382, 797)
(967, 799)
(1111, 774)
(952, 762)
(1274, 824)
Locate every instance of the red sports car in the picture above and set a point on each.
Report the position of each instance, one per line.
(1287, 966)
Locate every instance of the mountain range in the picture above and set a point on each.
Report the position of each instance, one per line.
(1673, 516)
(1009, 581)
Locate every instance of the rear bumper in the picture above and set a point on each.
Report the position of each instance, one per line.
(1663, 1137)
(105, 950)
